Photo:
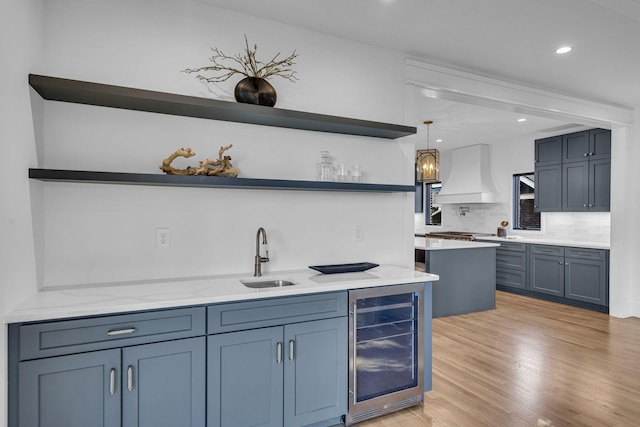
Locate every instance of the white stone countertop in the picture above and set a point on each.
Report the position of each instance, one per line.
(429, 244)
(149, 295)
(543, 241)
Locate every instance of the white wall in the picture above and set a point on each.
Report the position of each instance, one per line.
(20, 49)
(102, 233)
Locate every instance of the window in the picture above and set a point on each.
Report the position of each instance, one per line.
(432, 211)
(524, 215)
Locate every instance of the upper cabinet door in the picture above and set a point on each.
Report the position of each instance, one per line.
(548, 151)
(575, 147)
(599, 144)
(548, 193)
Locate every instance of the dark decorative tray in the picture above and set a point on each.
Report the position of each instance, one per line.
(343, 268)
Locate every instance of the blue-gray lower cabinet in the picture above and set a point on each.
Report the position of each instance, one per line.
(144, 369)
(245, 378)
(291, 375)
(70, 391)
(547, 273)
(164, 384)
(586, 276)
(151, 385)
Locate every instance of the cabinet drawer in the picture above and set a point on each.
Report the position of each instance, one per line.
(511, 246)
(276, 311)
(595, 254)
(511, 278)
(507, 259)
(97, 333)
(547, 250)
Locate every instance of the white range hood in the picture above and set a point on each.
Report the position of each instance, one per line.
(470, 179)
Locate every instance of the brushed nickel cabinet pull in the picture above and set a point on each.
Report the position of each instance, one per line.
(291, 348)
(126, 331)
(502, 277)
(112, 381)
(279, 352)
(502, 259)
(130, 378)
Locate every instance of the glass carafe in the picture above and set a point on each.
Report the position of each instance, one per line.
(324, 169)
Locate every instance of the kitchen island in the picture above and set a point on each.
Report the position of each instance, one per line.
(467, 274)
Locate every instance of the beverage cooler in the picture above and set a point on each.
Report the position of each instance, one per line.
(385, 350)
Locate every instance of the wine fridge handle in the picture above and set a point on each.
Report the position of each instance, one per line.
(355, 341)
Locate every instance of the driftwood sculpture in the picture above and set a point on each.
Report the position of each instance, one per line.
(223, 164)
(166, 163)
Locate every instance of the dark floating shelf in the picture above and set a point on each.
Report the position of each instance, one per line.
(209, 181)
(58, 89)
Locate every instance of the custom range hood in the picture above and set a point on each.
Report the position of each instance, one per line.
(470, 179)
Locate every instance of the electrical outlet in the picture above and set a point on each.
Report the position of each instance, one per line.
(358, 233)
(163, 237)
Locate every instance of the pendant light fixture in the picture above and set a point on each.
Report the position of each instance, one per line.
(428, 162)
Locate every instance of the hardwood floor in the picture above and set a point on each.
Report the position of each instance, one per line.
(530, 363)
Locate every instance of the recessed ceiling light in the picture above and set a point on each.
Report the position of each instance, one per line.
(563, 49)
(522, 119)
(438, 140)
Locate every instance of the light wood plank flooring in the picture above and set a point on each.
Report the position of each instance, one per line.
(530, 363)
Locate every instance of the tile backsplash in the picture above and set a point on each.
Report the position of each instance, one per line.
(486, 218)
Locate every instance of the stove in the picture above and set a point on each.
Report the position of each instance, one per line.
(457, 235)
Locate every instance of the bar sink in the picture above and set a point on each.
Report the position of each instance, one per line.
(274, 283)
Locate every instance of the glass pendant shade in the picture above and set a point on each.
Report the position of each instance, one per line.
(428, 165)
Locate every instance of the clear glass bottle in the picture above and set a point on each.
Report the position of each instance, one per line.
(324, 169)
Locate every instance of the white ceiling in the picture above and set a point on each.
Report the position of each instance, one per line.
(513, 40)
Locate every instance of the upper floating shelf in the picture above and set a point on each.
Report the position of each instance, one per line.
(57, 89)
(58, 175)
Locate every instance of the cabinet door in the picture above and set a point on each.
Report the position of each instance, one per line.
(316, 371)
(548, 191)
(164, 385)
(71, 391)
(600, 144)
(244, 378)
(575, 147)
(548, 151)
(575, 191)
(547, 274)
(586, 280)
(600, 185)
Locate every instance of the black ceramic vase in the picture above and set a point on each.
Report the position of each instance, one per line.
(254, 90)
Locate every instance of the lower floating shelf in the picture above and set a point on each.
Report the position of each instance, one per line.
(209, 181)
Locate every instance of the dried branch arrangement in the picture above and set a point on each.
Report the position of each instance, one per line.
(247, 65)
(223, 165)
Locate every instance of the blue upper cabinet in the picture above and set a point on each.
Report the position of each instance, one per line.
(548, 151)
(575, 147)
(573, 172)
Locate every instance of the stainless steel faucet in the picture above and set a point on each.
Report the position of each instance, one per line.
(257, 270)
